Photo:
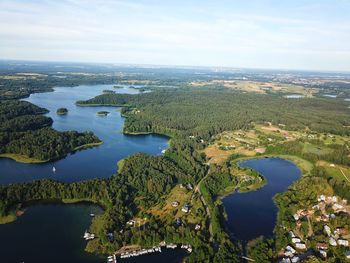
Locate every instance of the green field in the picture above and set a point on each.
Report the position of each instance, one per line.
(316, 149)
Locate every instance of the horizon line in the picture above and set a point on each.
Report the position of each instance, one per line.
(177, 66)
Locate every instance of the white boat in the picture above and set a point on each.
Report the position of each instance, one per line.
(88, 236)
(54, 169)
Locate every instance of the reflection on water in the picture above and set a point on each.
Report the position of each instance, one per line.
(254, 213)
(100, 161)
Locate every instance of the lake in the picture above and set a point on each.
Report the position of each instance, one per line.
(53, 232)
(99, 161)
(252, 214)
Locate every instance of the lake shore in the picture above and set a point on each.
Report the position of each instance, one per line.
(25, 159)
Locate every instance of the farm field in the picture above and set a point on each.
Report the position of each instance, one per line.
(259, 87)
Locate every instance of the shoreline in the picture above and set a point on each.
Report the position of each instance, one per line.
(22, 158)
(14, 214)
(19, 158)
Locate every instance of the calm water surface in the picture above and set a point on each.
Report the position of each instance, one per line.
(99, 161)
(53, 233)
(253, 214)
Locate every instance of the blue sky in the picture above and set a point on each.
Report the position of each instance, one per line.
(252, 34)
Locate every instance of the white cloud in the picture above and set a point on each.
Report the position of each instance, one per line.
(140, 32)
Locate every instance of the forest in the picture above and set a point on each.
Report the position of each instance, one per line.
(191, 117)
(24, 131)
(140, 182)
(205, 113)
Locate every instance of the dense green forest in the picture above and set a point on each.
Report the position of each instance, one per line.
(45, 144)
(25, 131)
(205, 113)
(140, 182)
(191, 117)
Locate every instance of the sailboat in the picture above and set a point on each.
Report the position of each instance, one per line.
(54, 169)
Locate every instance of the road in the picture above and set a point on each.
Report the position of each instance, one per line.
(197, 189)
(344, 175)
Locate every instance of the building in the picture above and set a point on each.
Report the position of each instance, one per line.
(131, 222)
(289, 254)
(321, 246)
(347, 254)
(285, 260)
(341, 230)
(321, 198)
(332, 242)
(296, 240)
(300, 246)
(185, 208)
(295, 259)
(337, 207)
(343, 242)
(178, 221)
(323, 253)
(291, 249)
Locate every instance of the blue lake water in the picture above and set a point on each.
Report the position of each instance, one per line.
(51, 232)
(253, 214)
(99, 161)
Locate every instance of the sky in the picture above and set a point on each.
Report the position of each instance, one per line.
(275, 34)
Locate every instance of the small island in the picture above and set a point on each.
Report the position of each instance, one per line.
(62, 111)
(102, 113)
(108, 91)
(118, 87)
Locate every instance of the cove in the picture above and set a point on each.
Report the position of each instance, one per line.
(100, 161)
(53, 232)
(48, 233)
(252, 214)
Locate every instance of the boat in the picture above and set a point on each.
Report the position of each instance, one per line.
(54, 169)
(92, 214)
(88, 236)
(112, 259)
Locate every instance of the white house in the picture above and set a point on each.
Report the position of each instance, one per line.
(291, 249)
(185, 208)
(332, 242)
(296, 240)
(321, 198)
(343, 242)
(327, 229)
(295, 259)
(323, 253)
